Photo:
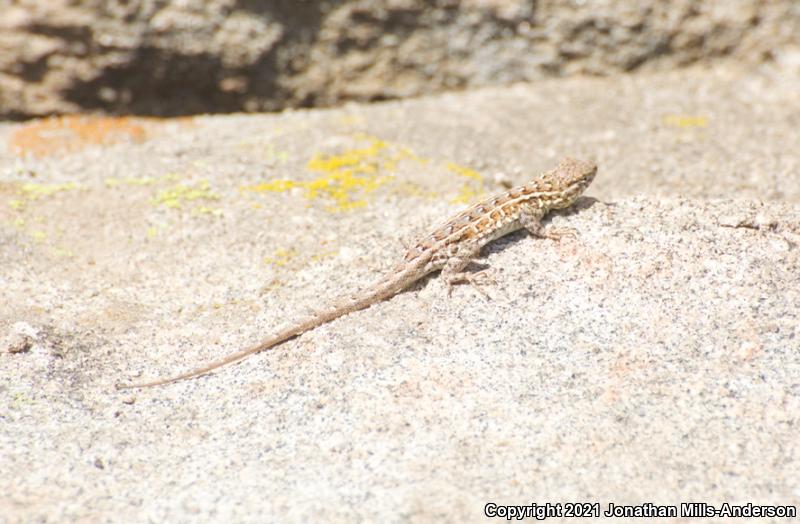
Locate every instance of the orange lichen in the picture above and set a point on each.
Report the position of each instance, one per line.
(63, 134)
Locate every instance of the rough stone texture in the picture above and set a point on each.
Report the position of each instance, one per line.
(654, 358)
(174, 57)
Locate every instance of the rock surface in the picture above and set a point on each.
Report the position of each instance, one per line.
(182, 58)
(653, 358)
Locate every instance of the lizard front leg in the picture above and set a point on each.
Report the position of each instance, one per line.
(530, 218)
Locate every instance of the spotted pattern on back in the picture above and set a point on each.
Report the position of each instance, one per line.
(498, 214)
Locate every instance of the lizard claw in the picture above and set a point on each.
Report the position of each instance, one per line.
(558, 233)
(480, 279)
(476, 280)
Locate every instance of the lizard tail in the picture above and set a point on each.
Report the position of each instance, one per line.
(211, 366)
(387, 287)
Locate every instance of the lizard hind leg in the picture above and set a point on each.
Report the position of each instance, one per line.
(453, 272)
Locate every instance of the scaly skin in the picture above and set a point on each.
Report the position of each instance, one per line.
(449, 248)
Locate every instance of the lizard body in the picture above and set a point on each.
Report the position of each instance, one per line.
(449, 248)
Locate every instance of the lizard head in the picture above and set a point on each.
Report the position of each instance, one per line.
(571, 177)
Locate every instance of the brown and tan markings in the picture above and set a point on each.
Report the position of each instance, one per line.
(449, 249)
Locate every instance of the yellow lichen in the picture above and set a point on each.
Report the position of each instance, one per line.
(39, 236)
(174, 197)
(470, 191)
(130, 181)
(351, 120)
(61, 252)
(33, 191)
(205, 210)
(274, 155)
(281, 257)
(346, 178)
(324, 255)
(686, 121)
(29, 192)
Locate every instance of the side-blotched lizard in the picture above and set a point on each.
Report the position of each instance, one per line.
(449, 248)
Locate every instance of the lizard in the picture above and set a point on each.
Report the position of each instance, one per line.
(449, 249)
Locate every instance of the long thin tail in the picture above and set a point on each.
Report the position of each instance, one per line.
(278, 338)
(389, 286)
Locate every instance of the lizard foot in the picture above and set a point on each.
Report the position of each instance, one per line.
(476, 280)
